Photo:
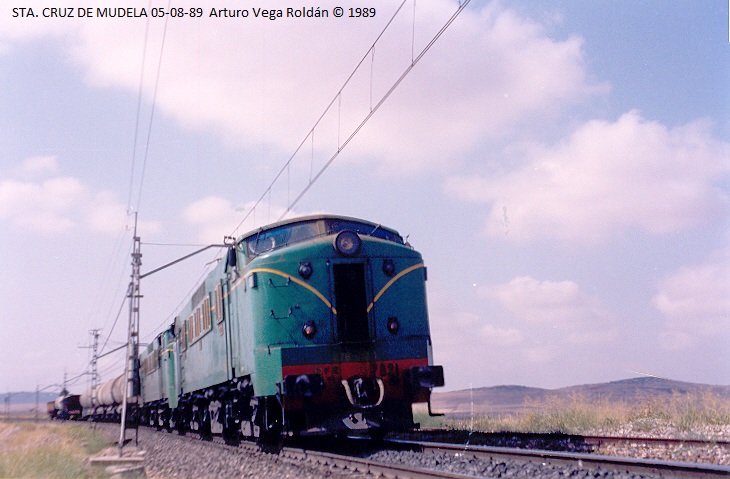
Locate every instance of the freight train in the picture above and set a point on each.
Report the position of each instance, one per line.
(314, 325)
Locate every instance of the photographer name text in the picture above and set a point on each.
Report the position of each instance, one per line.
(193, 12)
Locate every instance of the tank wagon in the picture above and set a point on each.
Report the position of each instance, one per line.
(66, 406)
(312, 325)
(104, 403)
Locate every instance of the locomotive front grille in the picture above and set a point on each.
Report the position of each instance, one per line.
(351, 302)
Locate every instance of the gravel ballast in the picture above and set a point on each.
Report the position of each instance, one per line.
(171, 456)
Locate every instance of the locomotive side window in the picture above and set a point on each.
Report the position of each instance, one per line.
(218, 307)
(201, 320)
(189, 326)
(206, 315)
(183, 333)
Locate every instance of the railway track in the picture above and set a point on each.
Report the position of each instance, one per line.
(602, 440)
(649, 467)
(550, 441)
(399, 458)
(419, 459)
(668, 449)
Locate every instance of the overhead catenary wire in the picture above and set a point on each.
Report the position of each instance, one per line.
(121, 306)
(195, 245)
(152, 112)
(379, 104)
(102, 291)
(138, 116)
(185, 298)
(337, 99)
(120, 281)
(130, 206)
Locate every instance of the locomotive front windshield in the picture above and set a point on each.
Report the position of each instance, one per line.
(297, 232)
(335, 226)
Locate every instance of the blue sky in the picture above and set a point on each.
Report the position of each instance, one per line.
(563, 167)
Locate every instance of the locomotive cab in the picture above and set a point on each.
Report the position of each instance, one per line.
(340, 324)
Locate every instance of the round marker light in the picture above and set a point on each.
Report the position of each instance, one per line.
(309, 329)
(393, 325)
(305, 269)
(348, 243)
(388, 267)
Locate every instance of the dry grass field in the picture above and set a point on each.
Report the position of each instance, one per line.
(45, 449)
(693, 415)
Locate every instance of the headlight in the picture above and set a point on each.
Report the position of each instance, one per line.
(305, 269)
(393, 325)
(348, 243)
(309, 329)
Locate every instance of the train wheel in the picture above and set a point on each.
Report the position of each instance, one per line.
(181, 420)
(168, 423)
(205, 431)
(267, 421)
(231, 428)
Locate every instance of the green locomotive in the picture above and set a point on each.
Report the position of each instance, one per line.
(313, 325)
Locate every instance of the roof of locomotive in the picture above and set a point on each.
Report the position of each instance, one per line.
(303, 219)
(297, 230)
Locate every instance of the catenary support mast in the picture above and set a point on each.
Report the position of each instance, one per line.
(131, 372)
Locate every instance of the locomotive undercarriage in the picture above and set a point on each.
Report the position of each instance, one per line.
(228, 409)
(232, 411)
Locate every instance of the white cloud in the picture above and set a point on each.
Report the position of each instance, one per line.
(245, 83)
(695, 301)
(630, 173)
(43, 207)
(505, 337)
(521, 332)
(495, 72)
(559, 305)
(216, 217)
(60, 203)
(104, 214)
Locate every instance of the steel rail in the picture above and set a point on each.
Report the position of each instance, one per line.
(599, 440)
(587, 437)
(645, 466)
(366, 466)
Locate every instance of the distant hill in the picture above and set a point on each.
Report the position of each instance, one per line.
(23, 397)
(506, 399)
(516, 399)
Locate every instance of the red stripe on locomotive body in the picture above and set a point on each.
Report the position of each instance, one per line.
(390, 371)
